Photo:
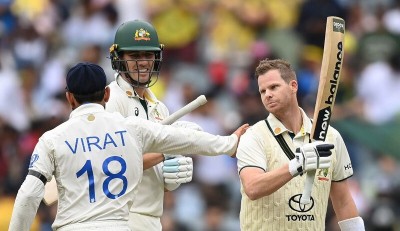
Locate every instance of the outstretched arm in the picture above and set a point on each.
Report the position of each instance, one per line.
(26, 204)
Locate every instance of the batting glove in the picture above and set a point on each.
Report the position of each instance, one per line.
(311, 156)
(177, 171)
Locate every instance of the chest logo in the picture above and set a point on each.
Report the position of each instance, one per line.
(295, 205)
(322, 174)
(136, 111)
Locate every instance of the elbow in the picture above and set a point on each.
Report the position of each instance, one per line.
(253, 197)
(252, 193)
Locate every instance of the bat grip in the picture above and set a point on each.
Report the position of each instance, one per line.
(306, 196)
(201, 100)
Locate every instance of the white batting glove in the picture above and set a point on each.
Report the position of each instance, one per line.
(177, 171)
(311, 156)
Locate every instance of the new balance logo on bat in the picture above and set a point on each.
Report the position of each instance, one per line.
(324, 115)
(336, 75)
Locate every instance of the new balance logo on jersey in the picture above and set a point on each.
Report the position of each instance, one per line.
(87, 144)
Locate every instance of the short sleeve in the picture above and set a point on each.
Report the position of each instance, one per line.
(342, 169)
(41, 159)
(250, 151)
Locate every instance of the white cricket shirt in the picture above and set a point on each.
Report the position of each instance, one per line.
(96, 158)
(282, 210)
(123, 99)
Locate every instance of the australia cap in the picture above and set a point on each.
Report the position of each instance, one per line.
(85, 79)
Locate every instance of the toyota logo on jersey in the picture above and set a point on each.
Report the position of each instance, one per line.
(294, 204)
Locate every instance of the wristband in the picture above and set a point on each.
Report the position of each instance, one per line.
(352, 224)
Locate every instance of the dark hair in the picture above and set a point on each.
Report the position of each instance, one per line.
(284, 68)
(98, 96)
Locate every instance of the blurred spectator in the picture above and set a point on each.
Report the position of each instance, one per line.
(82, 27)
(391, 18)
(211, 48)
(378, 90)
(130, 10)
(12, 109)
(312, 19)
(378, 44)
(384, 184)
(178, 27)
(7, 20)
(29, 48)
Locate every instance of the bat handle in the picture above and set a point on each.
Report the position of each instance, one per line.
(306, 196)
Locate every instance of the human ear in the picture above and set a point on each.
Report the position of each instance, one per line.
(293, 86)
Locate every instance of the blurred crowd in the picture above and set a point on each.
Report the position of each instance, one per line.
(211, 47)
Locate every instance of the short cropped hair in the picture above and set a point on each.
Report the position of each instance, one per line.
(284, 68)
(98, 96)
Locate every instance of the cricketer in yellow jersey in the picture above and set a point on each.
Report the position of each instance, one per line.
(96, 158)
(275, 153)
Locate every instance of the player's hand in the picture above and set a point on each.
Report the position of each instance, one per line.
(239, 132)
(311, 156)
(177, 171)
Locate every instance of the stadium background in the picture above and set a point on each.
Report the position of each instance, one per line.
(212, 48)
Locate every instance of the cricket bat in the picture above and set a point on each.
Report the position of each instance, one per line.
(201, 100)
(331, 67)
(50, 189)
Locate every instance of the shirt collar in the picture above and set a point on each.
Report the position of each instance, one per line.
(130, 91)
(279, 128)
(86, 108)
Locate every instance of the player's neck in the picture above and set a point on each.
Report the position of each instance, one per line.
(292, 119)
(140, 91)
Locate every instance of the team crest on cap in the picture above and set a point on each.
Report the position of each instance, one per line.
(142, 34)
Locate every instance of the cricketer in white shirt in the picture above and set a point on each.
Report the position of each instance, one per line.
(147, 207)
(96, 159)
(281, 210)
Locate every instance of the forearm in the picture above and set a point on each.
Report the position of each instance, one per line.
(184, 141)
(26, 204)
(267, 183)
(342, 201)
(346, 209)
(152, 159)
